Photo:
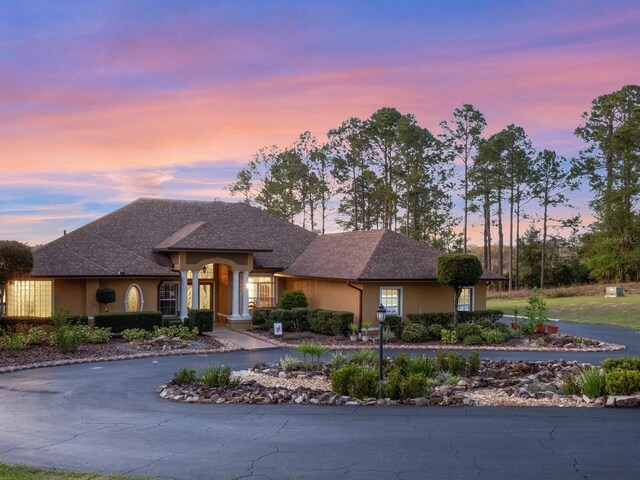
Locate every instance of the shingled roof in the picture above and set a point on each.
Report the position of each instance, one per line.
(134, 239)
(367, 256)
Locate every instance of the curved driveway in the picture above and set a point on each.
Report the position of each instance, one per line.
(107, 417)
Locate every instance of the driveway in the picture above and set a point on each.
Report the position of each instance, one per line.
(106, 417)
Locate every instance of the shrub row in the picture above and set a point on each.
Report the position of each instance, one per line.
(446, 318)
(203, 319)
(326, 322)
(123, 321)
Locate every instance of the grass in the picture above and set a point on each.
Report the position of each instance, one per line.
(22, 472)
(620, 311)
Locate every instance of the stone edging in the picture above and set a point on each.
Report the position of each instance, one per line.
(227, 347)
(612, 347)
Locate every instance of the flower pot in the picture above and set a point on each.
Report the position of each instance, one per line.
(353, 337)
(366, 338)
(552, 329)
(541, 329)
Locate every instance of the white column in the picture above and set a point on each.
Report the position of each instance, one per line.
(195, 290)
(235, 289)
(245, 295)
(183, 295)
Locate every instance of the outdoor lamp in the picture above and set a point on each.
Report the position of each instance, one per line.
(381, 314)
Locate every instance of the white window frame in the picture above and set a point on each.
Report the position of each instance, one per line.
(472, 300)
(126, 297)
(176, 300)
(400, 299)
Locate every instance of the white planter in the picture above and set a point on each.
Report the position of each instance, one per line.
(353, 337)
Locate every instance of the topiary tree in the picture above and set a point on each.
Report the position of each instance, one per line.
(458, 270)
(15, 260)
(292, 299)
(105, 295)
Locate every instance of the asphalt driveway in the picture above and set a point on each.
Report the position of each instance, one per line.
(106, 417)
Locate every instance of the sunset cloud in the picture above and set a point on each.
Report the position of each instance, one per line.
(109, 101)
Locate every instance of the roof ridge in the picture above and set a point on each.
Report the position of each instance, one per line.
(373, 252)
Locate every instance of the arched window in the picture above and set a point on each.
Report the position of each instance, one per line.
(133, 301)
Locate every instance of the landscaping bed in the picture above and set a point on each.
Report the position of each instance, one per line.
(418, 381)
(115, 349)
(534, 342)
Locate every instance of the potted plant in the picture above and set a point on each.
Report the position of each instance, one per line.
(354, 327)
(366, 326)
(552, 329)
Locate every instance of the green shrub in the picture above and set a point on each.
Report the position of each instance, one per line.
(260, 317)
(314, 350)
(64, 336)
(457, 364)
(105, 295)
(434, 332)
(364, 383)
(37, 336)
(185, 376)
(22, 324)
(364, 357)
(292, 299)
(394, 323)
(388, 335)
(473, 340)
(570, 385)
(473, 363)
(123, 321)
(592, 382)
(442, 360)
(622, 382)
(341, 378)
(289, 363)
(340, 322)
(448, 336)
(625, 363)
(132, 334)
(414, 386)
(443, 319)
(14, 342)
(202, 319)
(218, 376)
(320, 321)
(393, 385)
(176, 331)
(338, 359)
(466, 329)
(487, 315)
(94, 335)
(421, 364)
(496, 333)
(415, 333)
(446, 378)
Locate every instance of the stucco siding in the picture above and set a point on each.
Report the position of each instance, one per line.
(70, 294)
(326, 294)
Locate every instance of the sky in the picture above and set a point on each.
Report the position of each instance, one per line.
(103, 102)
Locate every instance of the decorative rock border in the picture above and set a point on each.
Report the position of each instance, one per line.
(226, 347)
(268, 384)
(606, 347)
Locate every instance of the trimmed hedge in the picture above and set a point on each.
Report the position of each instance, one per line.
(326, 322)
(123, 321)
(625, 363)
(201, 318)
(445, 319)
(292, 299)
(394, 323)
(22, 324)
(260, 316)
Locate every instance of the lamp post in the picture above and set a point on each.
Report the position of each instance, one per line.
(381, 314)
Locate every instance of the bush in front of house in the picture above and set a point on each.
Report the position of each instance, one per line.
(414, 333)
(260, 317)
(445, 319)
(622, 382)
(22, 324)
(292, 299)
(201, 318)
(625, 363)
(394, 323)
(355, 381)
(123, 321)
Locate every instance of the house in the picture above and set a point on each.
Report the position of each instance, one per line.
(172, 255)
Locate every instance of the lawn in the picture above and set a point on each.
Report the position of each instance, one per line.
(621, 311)
(22, 472)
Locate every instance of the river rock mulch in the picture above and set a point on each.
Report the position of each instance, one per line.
(535, 343)
(498, 383)
(116, 349)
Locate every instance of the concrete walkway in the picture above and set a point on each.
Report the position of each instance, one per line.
(240, 339)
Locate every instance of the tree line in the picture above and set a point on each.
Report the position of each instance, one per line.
(388, 171)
